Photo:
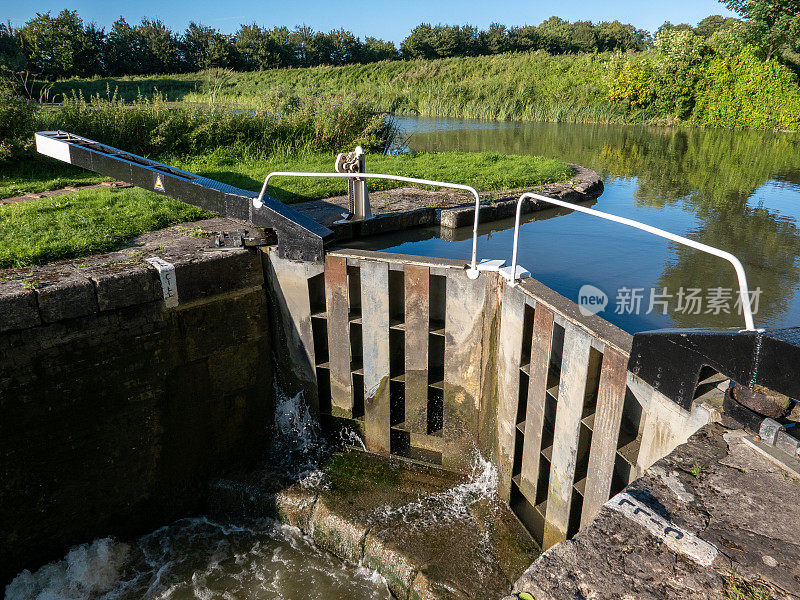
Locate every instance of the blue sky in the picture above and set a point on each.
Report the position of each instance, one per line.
(387, 20)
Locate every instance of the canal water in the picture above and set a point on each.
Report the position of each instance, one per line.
(736, 190)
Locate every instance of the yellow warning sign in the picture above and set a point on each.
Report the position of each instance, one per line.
(158, 185)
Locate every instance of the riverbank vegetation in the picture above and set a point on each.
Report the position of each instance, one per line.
(287, 131)
(63, 45)
(725, 71)
(685, 78)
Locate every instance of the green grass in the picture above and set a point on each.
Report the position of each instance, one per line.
(101, 220)
(82, 223)
(523, 86)
(41, 175)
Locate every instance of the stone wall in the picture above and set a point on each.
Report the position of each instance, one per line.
(114, 408)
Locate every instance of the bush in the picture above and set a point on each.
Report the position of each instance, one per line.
(17, 123)
(743, 90)
(633, 85)
(680, 55)
(731, 40)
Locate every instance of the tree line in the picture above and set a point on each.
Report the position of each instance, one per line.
(63, 45)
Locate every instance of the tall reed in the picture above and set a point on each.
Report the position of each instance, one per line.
(289, 123)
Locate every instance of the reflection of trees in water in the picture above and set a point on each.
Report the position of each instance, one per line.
(699, 167)
(767, 244)
(710, 173)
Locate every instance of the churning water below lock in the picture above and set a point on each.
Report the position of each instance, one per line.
(736, 190)
(259, 559)
(203, 558)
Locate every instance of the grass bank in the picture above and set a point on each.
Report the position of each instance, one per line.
(683, 79)
(86, 222)
(533, 86)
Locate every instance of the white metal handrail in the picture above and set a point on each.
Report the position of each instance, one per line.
(457, 186)
(737, 265)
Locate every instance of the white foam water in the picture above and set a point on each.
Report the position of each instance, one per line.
(451, 504)
(297, 447)
(202, 559)
(87, 571)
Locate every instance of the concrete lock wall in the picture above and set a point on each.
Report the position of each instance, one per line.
(115, 407)
(426, 364)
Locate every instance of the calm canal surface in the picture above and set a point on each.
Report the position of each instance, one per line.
(739, 191)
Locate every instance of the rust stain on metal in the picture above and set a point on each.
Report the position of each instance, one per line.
(537, 386)
(417, 324)
(338, 308)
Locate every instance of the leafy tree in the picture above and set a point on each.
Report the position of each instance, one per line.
(419, 43)
(302, 40)
(12, 57)
(525, 39)
(374, 50)
(744, 90)
(632, 84)
(714, 23)
(88, 51)
(261, 48)
(253, 47)
(124, 49)
(161, 48)
(775, 22)
(614, 35)
(17, 122)
(556, 35)
(207, 48)
(281, 51)
(441, 41)
(732, 40)
(667, 26)
(583, 37)
(680, 57)
(495, 40)
(60, 46)
(345, 47)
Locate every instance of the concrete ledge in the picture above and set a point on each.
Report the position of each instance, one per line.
(715, 490)
(64, 293)
(124, 283)
(407, 207)
(406, 521)
(586, 185)
(18, 306)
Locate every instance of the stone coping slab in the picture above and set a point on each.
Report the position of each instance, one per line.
(711, 519)
(33, 296)
(408, 207)
(425, 530)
